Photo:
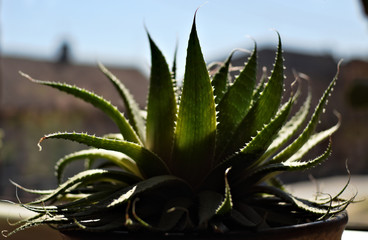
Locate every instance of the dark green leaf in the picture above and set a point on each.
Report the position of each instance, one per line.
(220, 80)
(262, 111)
(243, 220)
(235, 105)
(251, 154)
(162, 181)
(308, 206)
(208, 203)
(161, 108)
(174, 211)
(227, 203)
(259, 144)
(271, 170)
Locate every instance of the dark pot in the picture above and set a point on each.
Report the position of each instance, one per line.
(330, 229)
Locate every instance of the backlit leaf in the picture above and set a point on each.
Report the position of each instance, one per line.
(132, 107)
(161, 108)
(97, 101)
(149, 163)
(196, 125)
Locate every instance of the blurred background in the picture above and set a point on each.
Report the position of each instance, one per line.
(62, 40)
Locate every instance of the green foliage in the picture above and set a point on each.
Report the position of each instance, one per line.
(205, 158)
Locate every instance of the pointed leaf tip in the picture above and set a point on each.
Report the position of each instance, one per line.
(227, 204)
(26, 76)
(162, 101)
(196, 121)
(39, 143)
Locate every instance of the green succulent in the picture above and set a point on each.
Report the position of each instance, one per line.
(202, 157)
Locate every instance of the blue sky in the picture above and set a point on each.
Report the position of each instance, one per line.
(113, 31)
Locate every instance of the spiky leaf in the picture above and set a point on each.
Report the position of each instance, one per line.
(149, 184)
(309, 130)
(117, 158)
(196, 125)
(97, 101)
(235, 105)
(251, 154)
(262, 111)
(290, 128)
(271, 170)
(220, 80)
(132, 107)
(259, 144)
(149, 163)
(161, 107)
(86, 176)
(227, 204)
(208, 203)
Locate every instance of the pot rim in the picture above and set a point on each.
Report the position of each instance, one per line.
(331, 224)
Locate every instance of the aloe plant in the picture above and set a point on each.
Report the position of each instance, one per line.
(204, 156)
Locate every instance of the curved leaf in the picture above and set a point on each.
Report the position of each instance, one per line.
(132, 107)
(78, 205)
(227, 204)
(40, 220)
(95, 216)
(86, 176)
(117, 158)
(33, 191)
(97, 101)
(172, 216)
(290, 128)
(208, 203)
(312, 142)
(271, 170)
(149, 184)
(149, 163)
(307, 206)
(309, 129)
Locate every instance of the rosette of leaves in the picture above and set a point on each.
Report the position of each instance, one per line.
(202, 157)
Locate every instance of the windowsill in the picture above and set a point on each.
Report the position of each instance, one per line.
(354, 235)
